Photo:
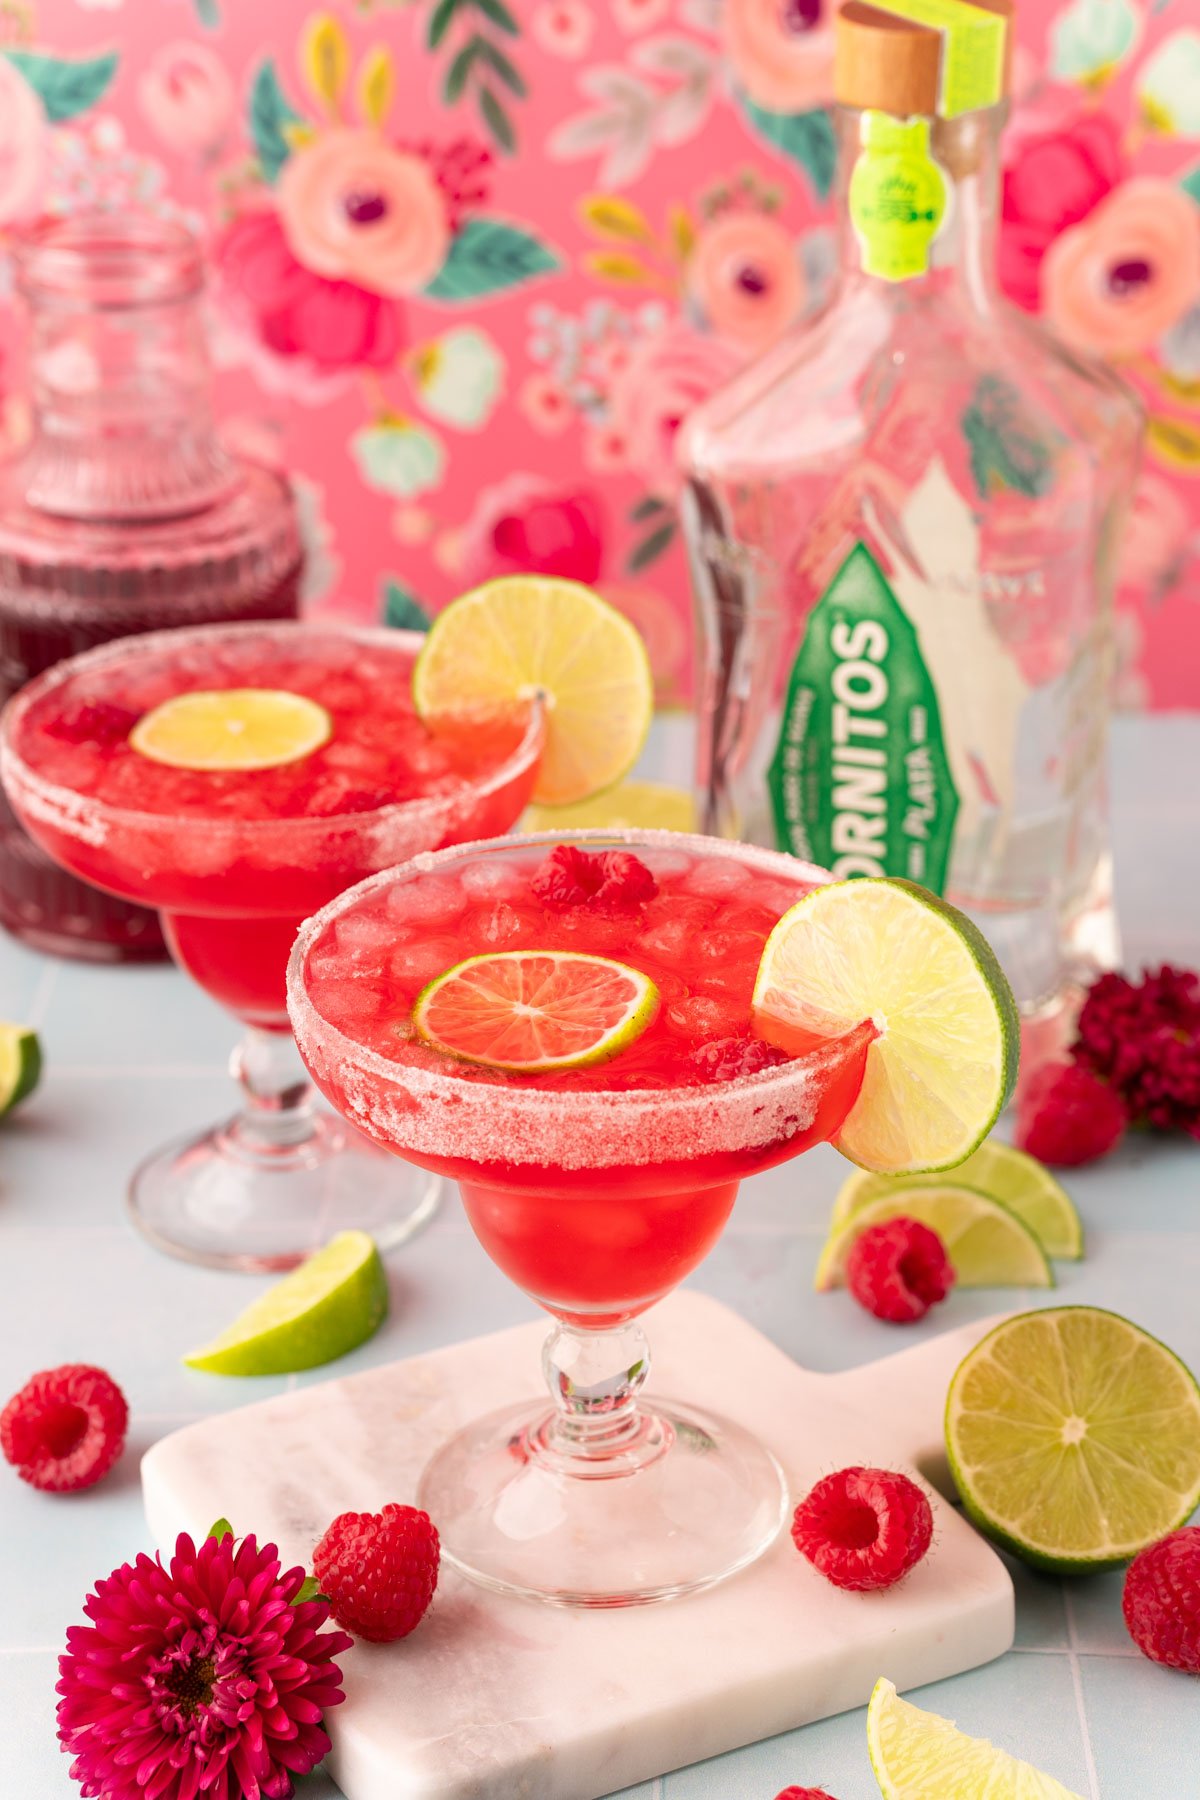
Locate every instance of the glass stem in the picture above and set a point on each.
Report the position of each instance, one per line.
(595, 1378)
(277, 1096)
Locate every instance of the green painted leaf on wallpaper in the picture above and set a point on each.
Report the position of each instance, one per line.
(488, 256)
(1007, 450)
(497, 121)
(209, 14)
(271, 112)
(460, 68)
(651, 548)
(1190, 182)
(401, 608)
(65, 86)
(503, 66)
(440, 20)
(499, 14)
(647, 508)
(805, 138)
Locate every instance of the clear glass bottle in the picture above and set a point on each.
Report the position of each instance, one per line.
(124, 512)
(901, 526)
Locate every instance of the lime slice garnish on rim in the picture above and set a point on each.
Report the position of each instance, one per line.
(20, 1064)
(527, 636)
(918, 1756)
(232, 728)
(1018, 1181)
(333, 1302)
(1074, 1437)
(988, 1245)
(945, 1060)
(528, 1011)
(630, 806)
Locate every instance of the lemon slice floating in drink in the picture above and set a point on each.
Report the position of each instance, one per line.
(20, 1064)
(526, 637)
(945, 1060)
(333, 1302)
(1016, 1180)
(232, 728)
(988, 1245)
(530, 1011)
(1074, 1437)
(916, 1755)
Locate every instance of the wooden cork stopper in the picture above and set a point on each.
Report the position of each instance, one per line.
(889, 64)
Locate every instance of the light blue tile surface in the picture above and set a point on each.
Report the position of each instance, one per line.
(136, 1056)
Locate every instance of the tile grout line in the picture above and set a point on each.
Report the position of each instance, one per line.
(1089, 1760)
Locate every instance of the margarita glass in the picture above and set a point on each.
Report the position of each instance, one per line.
(596, 1188)
(234, 859)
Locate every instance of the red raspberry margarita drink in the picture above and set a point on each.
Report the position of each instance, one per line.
(237, 778)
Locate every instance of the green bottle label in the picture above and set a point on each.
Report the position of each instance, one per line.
(860, 781)
(898, 197)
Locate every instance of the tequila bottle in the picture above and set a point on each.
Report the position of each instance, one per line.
(901, 525)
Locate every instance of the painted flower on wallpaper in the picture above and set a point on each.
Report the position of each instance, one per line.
(23, 146)
(395, 456)
(564, 27)
(1168, 85)
(1157, 539)
(1091, 38)
(528, 523)
(743, 273)
(1114, 283)
(355, 209)
(187, 98)
(781, 52)
(664, 378)
(459, 377)
(1060, 163)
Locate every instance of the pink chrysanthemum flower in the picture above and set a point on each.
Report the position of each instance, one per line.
(201, 1681)
(1144, 1038)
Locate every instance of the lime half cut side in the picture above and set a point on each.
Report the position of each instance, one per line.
(333, 1302)
(919, 1756)
(1018, 1181)
(988, 1245)
(945, 1060)
(20, 1064)
(530, 1011)
(1074, 1438)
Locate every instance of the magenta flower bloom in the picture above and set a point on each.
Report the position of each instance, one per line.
(203, 1679)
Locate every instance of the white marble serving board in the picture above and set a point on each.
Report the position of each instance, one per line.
(495, 1699)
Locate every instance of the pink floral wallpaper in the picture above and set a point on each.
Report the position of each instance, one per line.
(474, 259)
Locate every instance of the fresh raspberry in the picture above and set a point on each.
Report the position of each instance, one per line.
(379, 1571)
(1067, 1115)
(614, 881)
(1161, 1602)
(864, 1528)
(93, 722)
(898, 1270)
(65, 1429)
(795, 1793)
(724, 1059)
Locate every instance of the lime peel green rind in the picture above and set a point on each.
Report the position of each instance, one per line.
(987, 1243)
(945, 1063)
(1073, 1437)
(334, 1301)
(918, 1755)
(20, 1065)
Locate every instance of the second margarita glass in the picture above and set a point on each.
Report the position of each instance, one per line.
(234, 859)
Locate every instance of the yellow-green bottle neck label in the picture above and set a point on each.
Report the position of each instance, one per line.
(898, 197)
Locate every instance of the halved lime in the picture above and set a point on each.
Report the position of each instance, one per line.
(919, 1756)
(1074, 1437)
(945, 1060)
(988, 1245)
(529, 1011)
(630, 806)
(20, 1064)
(1018, 1181)
(333, 1302)
(232, 728)
(525, 637)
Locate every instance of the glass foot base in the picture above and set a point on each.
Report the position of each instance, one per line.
(232, 1203)
(691, 1501)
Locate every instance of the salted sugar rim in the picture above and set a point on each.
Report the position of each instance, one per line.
(307, 1021)
(71, 801)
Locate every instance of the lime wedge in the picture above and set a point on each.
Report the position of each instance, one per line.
(529, 1011)
(1018, 1181)
(333, 1302)
(918, 1756)
(523, 637)
(630, 806)
(988, 1245)
(1074, 1437)
(945, 1060)
(20, 1064)
(232, 728)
